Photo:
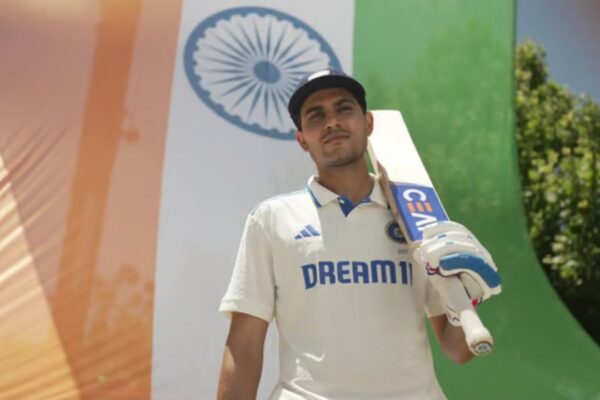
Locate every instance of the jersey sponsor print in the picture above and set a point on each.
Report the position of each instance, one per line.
(357, 272)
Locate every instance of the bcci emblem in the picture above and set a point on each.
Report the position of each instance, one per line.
(245, 62)
(392, 230)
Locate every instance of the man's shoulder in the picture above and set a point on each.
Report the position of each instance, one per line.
(283, 202)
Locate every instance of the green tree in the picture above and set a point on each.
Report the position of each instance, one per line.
(558, 135)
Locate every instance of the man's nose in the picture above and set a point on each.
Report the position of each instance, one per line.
(332, 121)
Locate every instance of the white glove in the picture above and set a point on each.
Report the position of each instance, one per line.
(450, 249)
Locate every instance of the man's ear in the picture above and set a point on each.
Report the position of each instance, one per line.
(369, 118)
(301, 141)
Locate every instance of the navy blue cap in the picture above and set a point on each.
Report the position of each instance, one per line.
(323, 79)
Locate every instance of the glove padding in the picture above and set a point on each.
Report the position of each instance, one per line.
(450, 249)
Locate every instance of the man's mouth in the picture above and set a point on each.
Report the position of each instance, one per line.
(332, 137)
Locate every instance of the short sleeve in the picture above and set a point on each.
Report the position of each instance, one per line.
(252, 289)
(433, 301)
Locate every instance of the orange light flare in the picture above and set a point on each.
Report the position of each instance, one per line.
(55, 8)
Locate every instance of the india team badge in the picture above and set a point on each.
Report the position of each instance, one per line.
(393, 232)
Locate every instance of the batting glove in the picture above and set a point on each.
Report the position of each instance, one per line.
(450, 249)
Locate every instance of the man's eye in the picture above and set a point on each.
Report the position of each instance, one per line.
(314, 116)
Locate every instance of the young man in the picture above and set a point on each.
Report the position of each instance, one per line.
(328, 264)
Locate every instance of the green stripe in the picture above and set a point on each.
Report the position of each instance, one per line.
(448, 66)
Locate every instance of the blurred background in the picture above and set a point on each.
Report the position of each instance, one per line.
(136, 135)
(558, 93)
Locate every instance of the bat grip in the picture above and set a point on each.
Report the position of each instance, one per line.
(461, 312)
(478, 338)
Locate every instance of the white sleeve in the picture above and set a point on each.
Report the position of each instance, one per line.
(252, 289)
(433, 301)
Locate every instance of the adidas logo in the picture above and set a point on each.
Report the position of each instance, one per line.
(307, 232)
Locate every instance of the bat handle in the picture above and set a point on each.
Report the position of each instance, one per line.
(478, 338)
(461, 312)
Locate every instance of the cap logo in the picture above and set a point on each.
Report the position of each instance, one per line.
(244, 62)
(318, 74)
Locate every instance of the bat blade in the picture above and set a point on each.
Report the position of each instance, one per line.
(408, 187)
(415, 204)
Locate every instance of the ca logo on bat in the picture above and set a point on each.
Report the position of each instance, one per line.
(420, 207)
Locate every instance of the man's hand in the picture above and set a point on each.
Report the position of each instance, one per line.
(242, 358)
(450, 249)
(451, 340)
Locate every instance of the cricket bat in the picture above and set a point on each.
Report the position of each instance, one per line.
(415, 204)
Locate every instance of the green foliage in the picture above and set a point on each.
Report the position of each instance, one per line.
(558, 136)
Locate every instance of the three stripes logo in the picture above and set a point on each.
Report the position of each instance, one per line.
(306, 232)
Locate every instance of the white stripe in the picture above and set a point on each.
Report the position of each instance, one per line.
(215, 173)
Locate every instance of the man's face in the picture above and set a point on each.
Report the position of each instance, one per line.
(334, 128)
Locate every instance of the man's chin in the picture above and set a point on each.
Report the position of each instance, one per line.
(341, 161)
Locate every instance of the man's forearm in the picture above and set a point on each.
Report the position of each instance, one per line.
(240, 376)
(242, 358)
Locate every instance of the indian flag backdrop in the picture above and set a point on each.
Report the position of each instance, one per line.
(136, 135)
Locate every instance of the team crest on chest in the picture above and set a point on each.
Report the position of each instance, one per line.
(393, 232)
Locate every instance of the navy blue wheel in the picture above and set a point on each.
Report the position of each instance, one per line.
(245, 62)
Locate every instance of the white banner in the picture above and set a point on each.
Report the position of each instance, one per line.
(229, 146)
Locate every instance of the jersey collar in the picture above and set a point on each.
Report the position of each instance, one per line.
(322, 196)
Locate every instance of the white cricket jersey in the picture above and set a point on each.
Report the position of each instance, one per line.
(349, 305)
